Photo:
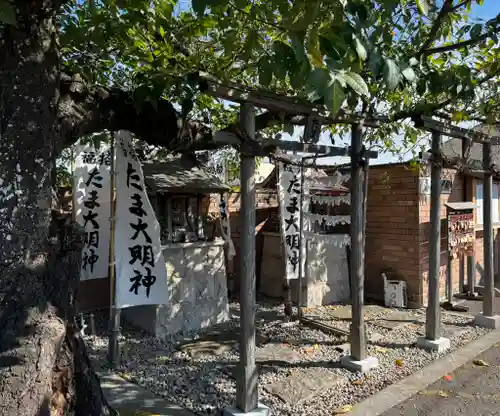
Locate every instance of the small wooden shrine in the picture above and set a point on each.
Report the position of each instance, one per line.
(182, 192)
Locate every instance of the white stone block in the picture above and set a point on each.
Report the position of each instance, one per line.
(437, 345)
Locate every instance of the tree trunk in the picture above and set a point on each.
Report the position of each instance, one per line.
(43, 362)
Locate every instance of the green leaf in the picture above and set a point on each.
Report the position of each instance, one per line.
(423, 6)
(476, 31)
(413, 61)
(356, 82)
(297, 39)
(360, 49)
(392, 75)
(199, 6)
(7, 13)
(334, 97)
(409, 74)
(318, 80)
(265, 72)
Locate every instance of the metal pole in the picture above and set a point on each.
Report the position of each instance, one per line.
(433, 318)
(246, 388)
(358, 339)
(302, 243)
(489, 286)
(114, 318)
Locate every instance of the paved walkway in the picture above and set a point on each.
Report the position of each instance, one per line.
(130, 399)
(472, 391)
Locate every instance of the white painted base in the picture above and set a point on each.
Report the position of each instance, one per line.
(363, 366)
(438, 345)
(490, 322)
(260, 411)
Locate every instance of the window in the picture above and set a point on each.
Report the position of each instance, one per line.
(479, 203)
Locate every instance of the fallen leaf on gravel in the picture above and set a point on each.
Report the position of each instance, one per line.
(399, 362)
(357, 382)
(125, 376)
(343, 410)
(480, 363)
(427, 393)
(381, 350)
(447, 377)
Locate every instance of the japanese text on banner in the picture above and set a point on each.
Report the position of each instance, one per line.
(92, 207)
(290, 212)
(141, 277)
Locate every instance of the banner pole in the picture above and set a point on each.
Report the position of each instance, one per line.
(114, 318)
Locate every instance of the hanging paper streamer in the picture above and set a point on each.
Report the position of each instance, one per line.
(331, 200)
(92, 205)
(337, 240)
(330, 220)
(218, 164)
(141, 277)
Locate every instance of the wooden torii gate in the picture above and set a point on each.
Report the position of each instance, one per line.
(244, 135)
(433, 339)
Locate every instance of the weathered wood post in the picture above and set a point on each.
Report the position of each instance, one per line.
(246, 383)
(488, 318)
(471, 260)
(357, 361)
(302, 242)
(433, 340)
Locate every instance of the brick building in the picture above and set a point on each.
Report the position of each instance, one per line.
(397, 229)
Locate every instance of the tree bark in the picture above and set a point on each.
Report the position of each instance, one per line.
(44, 368)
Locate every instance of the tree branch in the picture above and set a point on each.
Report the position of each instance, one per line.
(85, 109)
(445, 9)
(455, 46)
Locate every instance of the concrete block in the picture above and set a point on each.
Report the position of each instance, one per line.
(490, 322)
(363, 366)
(260, 411)
(438, 345)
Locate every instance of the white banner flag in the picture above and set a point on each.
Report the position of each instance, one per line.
(141, 275)
(289, 187)
(92, 205)
(218, 164)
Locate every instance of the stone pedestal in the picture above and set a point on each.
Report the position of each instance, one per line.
(438, 345)
(363, 366)
(490, 322)
(197, 291)
(260, 411)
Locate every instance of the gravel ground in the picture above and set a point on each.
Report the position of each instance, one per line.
(204, 385)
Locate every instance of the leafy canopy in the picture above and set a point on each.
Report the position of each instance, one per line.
(391, 58)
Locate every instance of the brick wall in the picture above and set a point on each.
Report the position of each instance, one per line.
(392, 229)
(266, 217)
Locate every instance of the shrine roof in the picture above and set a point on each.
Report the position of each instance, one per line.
(177, 176)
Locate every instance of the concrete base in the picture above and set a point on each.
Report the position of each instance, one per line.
(480, 289)
(260, 411)
(490, 322)
(363, 366)
(438, 345)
